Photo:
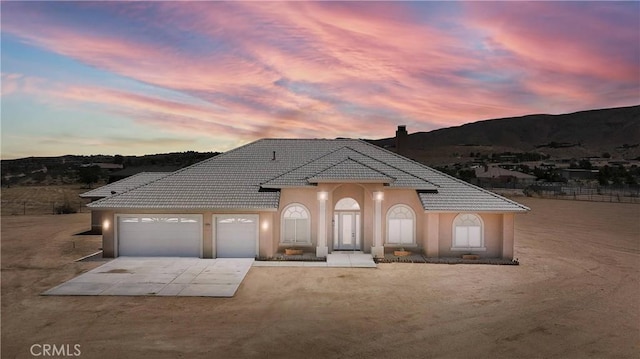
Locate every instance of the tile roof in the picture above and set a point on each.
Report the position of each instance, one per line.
(124, 184)
(350, 170)
(249, 177)
(307, 173)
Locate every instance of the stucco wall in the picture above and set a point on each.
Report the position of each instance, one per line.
(96, 221)
(393, 197)
(306, 197)
(108, 237)
(433, 231)
(363, 194)
(492, 236)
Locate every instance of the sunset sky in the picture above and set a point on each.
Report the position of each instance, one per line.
(150, 77)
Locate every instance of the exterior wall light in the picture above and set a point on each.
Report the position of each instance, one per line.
(378, 196)
(105, 224)
(265, 225)
(323, 196)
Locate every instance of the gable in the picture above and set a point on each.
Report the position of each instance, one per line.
(350, 170)
(347, 164)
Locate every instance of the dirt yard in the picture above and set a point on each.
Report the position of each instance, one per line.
(575, 295)
(35, 200)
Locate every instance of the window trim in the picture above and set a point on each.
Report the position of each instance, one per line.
(282, 226)
(454, 225)
(414, 242)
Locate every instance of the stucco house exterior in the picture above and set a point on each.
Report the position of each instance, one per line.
(318, 195)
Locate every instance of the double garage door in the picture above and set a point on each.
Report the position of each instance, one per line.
(181, 235)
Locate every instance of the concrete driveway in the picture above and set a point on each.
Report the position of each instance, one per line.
(152, 276)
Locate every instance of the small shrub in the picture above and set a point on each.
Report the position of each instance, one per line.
(65, 208)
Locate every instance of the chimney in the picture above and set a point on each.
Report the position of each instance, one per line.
(401, 140)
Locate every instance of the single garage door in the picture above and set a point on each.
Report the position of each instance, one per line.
(159, 235)
(236, 236)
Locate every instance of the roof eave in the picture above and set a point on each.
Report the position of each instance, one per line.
(343, 180)
(189, 210)
(494, 211)
(273, 186)
(91, 196)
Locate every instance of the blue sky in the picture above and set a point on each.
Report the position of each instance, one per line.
(150, 77)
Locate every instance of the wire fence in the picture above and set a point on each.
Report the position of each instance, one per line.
(587, 192)
(20, 208)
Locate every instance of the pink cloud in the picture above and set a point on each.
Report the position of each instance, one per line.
(317, 69)
(561, 54)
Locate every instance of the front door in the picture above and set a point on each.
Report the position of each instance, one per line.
(347, 231)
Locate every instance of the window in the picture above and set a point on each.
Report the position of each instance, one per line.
(158, 219)
(236, 220)
(468, 232)
(401, 225)
(296, 226)
(347, 204)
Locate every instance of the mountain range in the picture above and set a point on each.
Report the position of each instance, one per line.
(614, 131)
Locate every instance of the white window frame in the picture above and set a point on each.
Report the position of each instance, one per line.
(307, 230)
(413, 234)
(457, 223)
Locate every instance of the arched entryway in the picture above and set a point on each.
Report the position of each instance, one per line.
(347, 221)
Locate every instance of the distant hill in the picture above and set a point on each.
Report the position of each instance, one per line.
(580, 134)
(64, 169)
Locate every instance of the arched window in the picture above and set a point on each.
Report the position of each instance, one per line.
(296, 225)
(401, 225)
(468, 232)
(347, 204)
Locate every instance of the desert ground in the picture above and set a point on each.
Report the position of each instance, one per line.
(575, 294)
(31, 200)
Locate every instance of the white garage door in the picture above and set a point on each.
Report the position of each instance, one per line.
(159, 235)
(236, 236)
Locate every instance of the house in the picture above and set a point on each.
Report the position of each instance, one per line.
(579, 174)
(104, 166)
(115, 188)
(318, 195)
(494, 175)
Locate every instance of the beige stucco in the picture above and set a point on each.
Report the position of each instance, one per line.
(96, 221)
(433, 231)
(408, 198)
(493, 235)
(508, 235)
(108, 236)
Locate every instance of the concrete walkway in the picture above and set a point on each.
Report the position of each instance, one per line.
(336, 260)
(153, 276)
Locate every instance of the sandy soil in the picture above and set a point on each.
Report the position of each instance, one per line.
(575, 295)
(36, 200)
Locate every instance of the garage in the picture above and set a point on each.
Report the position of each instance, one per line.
(159, 235)
(236, 236)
